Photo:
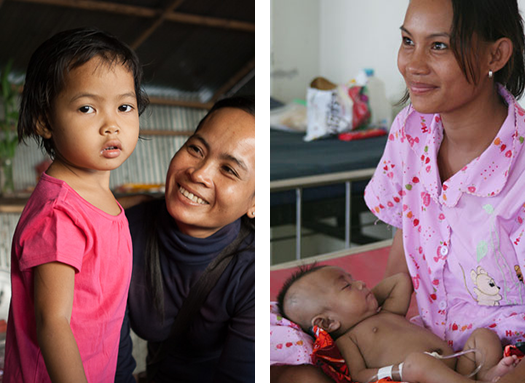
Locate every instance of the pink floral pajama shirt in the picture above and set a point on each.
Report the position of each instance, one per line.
(462, 238)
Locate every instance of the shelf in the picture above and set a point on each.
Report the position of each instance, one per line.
(12, 204)
(17, 203)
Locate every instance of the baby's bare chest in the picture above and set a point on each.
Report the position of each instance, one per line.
(388, 338)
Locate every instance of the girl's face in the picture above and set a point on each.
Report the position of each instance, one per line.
(434, 79)
(211, 179)
(95, 122)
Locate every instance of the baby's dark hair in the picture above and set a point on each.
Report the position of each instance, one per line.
(244, 103)
(300, 273)
(47, 69)
(490, 20)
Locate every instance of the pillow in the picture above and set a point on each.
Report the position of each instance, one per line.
(288, 343)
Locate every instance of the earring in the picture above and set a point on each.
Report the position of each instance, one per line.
(490, 73)
(253, 214)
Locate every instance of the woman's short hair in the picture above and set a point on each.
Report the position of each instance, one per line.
(244, 103)
(47, 69)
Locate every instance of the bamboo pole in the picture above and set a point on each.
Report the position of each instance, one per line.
(234, 79)
(211, 22)
(182, 103)
(156, 24)
(133, 10)
(123, 9)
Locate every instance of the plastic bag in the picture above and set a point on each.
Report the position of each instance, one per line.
(334, 109)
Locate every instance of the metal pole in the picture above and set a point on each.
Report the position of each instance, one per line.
(348, 185)
(298, 198)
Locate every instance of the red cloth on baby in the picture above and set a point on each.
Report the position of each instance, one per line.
(327, 356)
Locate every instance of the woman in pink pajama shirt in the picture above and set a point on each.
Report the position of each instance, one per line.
(451, 176)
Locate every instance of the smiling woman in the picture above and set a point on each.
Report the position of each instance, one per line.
(211, 180)
(209, 204)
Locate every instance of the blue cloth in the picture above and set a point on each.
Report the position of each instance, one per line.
(221, 345)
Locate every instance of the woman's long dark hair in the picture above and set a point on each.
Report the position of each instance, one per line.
(154, 246)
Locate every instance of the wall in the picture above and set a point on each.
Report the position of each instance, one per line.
(358, 34)
(352, 34)
(334, 39)
(294, 39)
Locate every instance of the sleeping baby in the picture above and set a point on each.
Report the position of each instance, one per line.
(375, 338)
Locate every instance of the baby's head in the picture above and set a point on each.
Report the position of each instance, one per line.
(47, 74)
(328, 297)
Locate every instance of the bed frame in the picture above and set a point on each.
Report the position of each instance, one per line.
(299, 184)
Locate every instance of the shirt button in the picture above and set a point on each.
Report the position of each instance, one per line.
(444, 250)
(442, 305)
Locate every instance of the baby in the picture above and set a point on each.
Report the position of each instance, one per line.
(371, 330)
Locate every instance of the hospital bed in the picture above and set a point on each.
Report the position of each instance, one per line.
(312, 181)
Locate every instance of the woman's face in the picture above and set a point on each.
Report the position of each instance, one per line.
(434, 79)
(211, 179)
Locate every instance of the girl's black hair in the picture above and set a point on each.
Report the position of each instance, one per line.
(49, 65)
(154, 246)
(489, 20)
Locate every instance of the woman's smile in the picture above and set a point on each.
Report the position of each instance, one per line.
(212, 177)
(420, 88)
(192, 197)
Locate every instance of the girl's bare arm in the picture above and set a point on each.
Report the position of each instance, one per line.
(54, 286)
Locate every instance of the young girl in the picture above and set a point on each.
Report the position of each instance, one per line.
(71, 253)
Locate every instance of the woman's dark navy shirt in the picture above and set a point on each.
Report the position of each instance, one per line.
(221, 340)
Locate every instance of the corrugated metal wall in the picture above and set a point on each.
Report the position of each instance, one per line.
(148, 164)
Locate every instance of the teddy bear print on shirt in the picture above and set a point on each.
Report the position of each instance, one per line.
(486, 289)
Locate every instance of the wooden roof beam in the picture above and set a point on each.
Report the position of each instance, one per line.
(133, 10)
(173, 102)
(211, 22)
(156, 24)
(91, 5)
(250, 65)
